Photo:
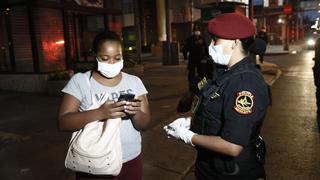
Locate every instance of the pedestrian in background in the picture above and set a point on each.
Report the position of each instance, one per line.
(197, 48)
(107, 77)
(228, 112)
(316, 75)
(262, 34)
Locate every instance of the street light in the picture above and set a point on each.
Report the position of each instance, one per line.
(284, 22)
(286, 44)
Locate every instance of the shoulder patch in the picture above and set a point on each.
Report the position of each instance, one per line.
(244, 102)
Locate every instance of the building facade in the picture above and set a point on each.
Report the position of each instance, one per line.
(41, 36)
(282, 26)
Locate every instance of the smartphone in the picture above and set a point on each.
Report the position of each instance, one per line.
(126, 97)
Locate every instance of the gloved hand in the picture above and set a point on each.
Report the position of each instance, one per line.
(180, 133)
(184, 122)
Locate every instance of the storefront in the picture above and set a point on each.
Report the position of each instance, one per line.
(42, 36)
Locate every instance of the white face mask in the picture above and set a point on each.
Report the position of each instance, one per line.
(197, 33)
(216, 52)
(110, 70)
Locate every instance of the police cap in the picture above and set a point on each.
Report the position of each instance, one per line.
(231, 26)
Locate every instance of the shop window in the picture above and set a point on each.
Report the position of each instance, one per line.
(87, 27)
(50, 39)
(114, 4)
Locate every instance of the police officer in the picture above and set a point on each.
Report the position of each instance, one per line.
(316, 75)
(197, 48)
(229, 111)
(262, 34)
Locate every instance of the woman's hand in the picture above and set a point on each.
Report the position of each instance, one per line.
(139, 111)
(112, 110)
(132, 107)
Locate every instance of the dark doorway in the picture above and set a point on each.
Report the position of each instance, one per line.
(6, 46)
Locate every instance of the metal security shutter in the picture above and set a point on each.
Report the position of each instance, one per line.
(21, 39)
(50, 37)
(72, 37)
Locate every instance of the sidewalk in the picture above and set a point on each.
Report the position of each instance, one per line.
(278, 49)
(33, 149)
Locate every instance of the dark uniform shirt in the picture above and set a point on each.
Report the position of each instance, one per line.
(316, 67)
(263, 35)
(232, 107)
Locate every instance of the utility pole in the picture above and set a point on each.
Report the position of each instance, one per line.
(167, 43)
(191, 14)
(138, 30)
(251, 10)
(168, 23)
(286, 44)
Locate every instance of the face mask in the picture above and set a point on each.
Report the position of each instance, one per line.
(197, 33)
(216, 52)
(110, 70)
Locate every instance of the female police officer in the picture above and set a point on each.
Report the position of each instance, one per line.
(228, 112)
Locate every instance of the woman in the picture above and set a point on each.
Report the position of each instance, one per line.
(107, 77)
(229, 111)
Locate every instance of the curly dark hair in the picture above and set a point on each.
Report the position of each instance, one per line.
(103, 37)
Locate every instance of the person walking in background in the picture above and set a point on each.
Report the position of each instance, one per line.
(197, 48)
(262, 34)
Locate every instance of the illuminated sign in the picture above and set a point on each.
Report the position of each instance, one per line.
(309, 5)
(214, 1)
(60, 42)
(287, 9)
(92, 3)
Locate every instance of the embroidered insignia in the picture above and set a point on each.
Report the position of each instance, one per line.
(244, 102)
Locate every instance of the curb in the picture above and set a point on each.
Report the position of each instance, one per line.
(277, 76)
(275, 54)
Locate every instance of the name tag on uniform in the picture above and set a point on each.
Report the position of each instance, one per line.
(195, 104)
(202, 83)
(214, 95)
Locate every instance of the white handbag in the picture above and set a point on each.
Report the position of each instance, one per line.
(96, 148)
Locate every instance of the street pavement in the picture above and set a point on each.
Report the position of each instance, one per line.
(290, 129)
(31, 148)
(279, 49)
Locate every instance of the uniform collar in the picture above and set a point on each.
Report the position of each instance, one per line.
(237, 67)
(242, 62)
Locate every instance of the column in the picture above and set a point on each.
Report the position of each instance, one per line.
(161, 19)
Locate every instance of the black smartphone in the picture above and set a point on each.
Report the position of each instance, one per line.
(126, 97)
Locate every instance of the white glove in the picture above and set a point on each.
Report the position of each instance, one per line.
(184, 122)
(180, 133)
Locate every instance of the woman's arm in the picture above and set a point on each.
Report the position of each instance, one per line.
(140, 112)
(217, 144)
(70, 119)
